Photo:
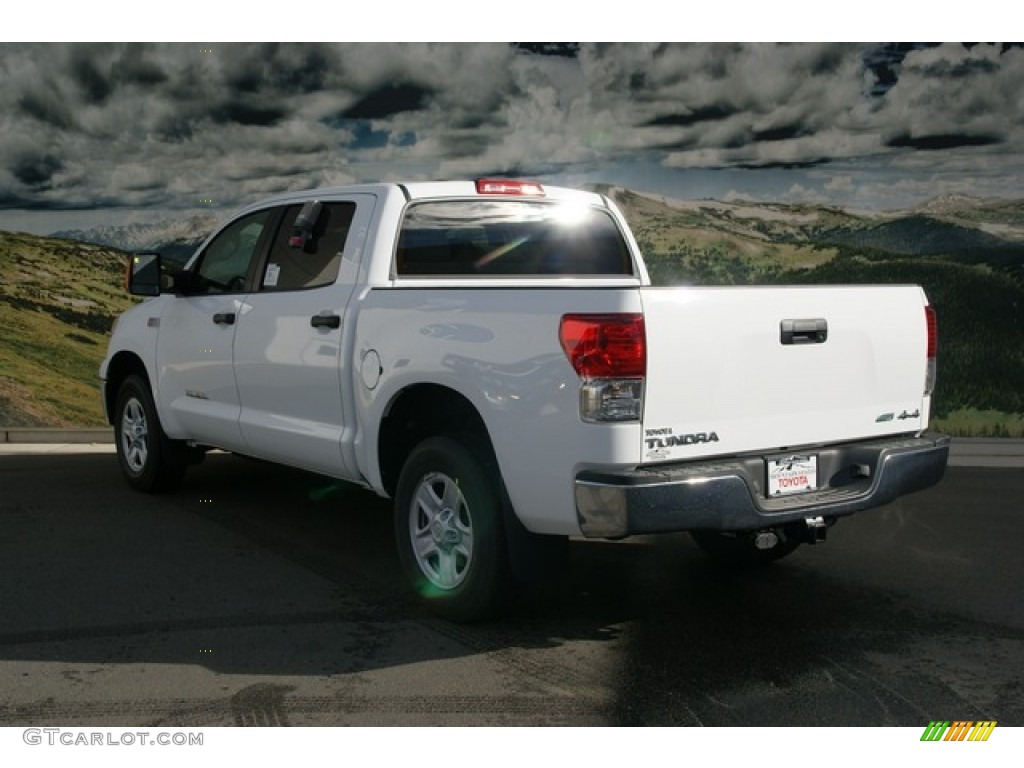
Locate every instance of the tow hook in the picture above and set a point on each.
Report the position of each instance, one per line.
(815, 531)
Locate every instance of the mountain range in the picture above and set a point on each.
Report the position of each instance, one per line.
(176, 239)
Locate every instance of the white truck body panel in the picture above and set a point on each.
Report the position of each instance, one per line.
(304, 425)
(716, 365)
(498, 347)
(195, 377)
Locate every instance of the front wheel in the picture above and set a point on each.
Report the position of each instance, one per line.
(448, 526)
(150, 461)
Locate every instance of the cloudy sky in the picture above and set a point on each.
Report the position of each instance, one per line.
(117, 133)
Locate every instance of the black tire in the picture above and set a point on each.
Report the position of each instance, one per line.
(737, 549)
(150, 461)
(448, 525)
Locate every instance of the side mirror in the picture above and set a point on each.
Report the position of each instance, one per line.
(143, 275)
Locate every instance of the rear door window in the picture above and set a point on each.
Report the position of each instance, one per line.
(306, 250)
(479, 238)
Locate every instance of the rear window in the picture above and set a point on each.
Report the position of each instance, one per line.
(478, 238)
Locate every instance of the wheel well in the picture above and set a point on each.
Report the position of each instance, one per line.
(123, 365)
(419, 412)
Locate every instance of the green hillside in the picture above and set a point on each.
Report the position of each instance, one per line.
(58, 300)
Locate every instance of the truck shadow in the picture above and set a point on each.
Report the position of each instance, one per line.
(255, 569)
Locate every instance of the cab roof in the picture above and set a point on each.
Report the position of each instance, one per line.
(422, 190)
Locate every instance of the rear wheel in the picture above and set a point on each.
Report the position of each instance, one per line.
(150, 461)
(740, 549)
(448, 525)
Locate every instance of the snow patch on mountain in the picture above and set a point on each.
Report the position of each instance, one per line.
(177, 233)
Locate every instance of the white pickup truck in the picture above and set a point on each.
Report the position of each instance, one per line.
(492, 356)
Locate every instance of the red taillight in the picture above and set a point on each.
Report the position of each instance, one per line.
(933, 336)
(933, 343)
(508, 187)
(605, 346)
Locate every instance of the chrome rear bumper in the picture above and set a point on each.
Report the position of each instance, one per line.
(728, 494)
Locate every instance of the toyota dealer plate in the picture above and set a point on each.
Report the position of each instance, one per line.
(792, 474)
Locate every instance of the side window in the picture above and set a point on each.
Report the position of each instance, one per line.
(225, 262)
(306, 251)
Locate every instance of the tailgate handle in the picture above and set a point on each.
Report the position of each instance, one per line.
(803, 331)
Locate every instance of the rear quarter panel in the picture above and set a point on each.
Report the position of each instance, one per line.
(499, 348)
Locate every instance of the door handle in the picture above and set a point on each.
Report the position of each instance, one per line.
(225, 318)
(325, 321)
(803, 331)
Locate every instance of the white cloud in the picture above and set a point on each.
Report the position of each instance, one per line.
(798, 193)
(840, 184)
(166, 124)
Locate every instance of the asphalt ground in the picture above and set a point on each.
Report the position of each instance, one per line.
(260, 595)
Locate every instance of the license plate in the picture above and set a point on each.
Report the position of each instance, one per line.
(792, 474)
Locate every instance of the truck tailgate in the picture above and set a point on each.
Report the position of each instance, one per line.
(734, 370)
